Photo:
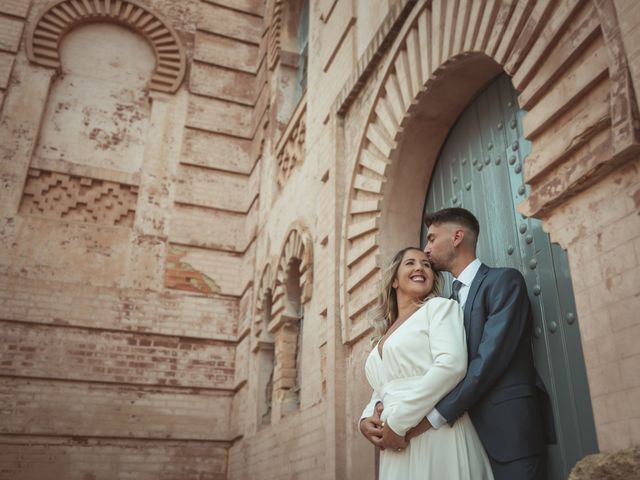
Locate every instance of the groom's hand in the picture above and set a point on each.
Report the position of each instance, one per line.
(419, 429)
(371, 427)
(392, 440)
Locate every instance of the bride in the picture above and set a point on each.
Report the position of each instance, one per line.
(419, 355)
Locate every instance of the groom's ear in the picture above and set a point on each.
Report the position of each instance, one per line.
(458, 237)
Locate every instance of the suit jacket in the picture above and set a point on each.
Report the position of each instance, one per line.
(499, 390)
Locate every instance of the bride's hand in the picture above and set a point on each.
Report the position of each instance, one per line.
(371, 427)
(419, 429)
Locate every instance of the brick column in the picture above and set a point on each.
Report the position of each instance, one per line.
(284, 328)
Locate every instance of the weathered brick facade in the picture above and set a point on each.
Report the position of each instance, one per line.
(171, 204)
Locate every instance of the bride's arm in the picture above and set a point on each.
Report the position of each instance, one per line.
(370, 407)
(449, 352)
(369, 423)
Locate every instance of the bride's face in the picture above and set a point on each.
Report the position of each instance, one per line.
(414, 277)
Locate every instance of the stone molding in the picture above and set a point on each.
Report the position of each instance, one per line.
(71, 197)
(45, 35)
(427, 47)
(290, 150)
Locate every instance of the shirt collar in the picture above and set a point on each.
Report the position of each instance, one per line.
(469, 273)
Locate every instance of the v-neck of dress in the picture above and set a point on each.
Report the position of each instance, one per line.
(380, 349)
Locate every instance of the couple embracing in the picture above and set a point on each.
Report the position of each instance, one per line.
(455, 392)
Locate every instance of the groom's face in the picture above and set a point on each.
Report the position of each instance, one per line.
(440, 246)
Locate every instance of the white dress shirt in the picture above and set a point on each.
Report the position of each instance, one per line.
(466, 278)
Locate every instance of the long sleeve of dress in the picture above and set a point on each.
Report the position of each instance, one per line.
(448, 348)
(370, 408)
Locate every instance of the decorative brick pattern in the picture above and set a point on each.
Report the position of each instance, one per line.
(290, 150)
(75, 198)
(46, 32)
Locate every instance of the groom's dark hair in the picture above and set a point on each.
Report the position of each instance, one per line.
(460, 216)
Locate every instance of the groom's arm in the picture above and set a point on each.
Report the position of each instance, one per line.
(504, 329)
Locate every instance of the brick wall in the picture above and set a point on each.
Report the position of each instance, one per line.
(119, 339)
(69, 409)
(81, 458)
(39, 351)
(292, 449)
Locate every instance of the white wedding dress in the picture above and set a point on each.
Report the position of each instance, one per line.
(422, 360)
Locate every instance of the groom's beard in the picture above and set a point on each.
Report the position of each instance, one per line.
(443, 265)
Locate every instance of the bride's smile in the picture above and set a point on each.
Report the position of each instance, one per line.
(414, 279)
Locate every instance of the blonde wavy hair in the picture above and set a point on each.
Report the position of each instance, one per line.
(386, 310)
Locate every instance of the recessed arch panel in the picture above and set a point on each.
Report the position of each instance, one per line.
(47, 31)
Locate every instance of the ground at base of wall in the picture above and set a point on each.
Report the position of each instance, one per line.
(624, 464)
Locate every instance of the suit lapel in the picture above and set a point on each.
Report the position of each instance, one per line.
(473, 290)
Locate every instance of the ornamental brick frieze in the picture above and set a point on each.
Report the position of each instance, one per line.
(71, 197)
(46, 32)
(290, 149)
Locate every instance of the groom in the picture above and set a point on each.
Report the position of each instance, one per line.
(499, 390)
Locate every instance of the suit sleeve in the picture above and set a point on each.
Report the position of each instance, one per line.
(506, 325)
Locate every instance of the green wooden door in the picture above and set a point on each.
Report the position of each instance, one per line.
(480, 168)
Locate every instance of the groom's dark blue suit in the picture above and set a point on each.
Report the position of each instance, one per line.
(499, 390)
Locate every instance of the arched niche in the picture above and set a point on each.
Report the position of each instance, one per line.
(292, 289)
(297, 249)
(45, 35)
